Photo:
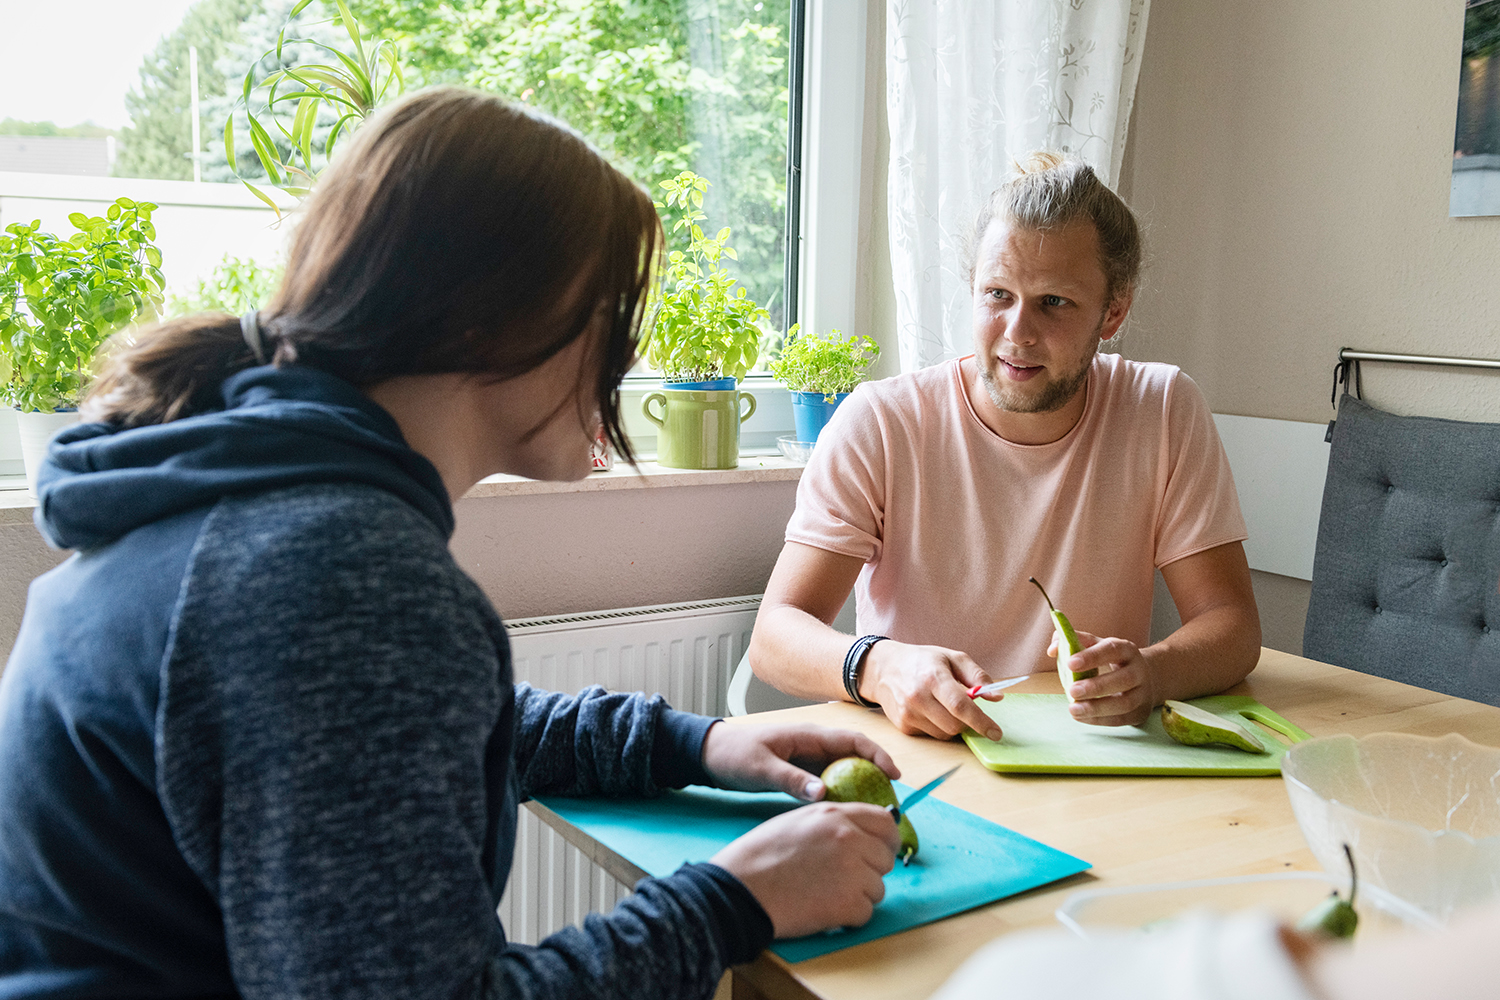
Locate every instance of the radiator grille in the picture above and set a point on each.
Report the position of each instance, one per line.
(685, 652)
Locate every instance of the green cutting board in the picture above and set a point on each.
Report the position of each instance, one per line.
(1040, 736)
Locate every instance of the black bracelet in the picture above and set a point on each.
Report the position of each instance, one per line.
(852, 661)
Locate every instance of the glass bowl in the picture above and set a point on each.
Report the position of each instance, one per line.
(1420, 813)
(794, 450)
(1286, 896)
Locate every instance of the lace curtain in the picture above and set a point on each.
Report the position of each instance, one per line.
(973, 85)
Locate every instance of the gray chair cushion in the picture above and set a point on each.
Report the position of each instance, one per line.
(1408, 556)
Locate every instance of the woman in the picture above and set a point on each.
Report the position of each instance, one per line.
(258, 736)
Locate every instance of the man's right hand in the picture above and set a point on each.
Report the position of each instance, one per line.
(925, 689)
(816, 867)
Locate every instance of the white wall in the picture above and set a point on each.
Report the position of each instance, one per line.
(1292, 162)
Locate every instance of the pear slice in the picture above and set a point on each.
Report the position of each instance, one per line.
(854, 779)
(1192, 726)
(1067, 644)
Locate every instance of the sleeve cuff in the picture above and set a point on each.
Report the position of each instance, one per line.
(737, 918)
(677, 750)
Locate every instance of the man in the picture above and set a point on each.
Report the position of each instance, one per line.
(942, 491)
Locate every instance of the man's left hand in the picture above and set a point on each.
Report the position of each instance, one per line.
(1121, 694)
(749, 758)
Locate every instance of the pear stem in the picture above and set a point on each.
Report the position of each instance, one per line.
(1353, 875)
(1050, 605)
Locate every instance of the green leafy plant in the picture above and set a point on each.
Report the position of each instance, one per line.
(829, 365)
(236, 286)
(349, 89)
(61, 298)
(703, 328)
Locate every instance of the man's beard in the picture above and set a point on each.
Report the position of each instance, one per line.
(1054, 397)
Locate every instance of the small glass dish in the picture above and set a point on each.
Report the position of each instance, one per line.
(794, 450)
(1286, 896)
(1420, 813)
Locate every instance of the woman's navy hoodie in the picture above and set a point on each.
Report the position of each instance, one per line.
(258, 735)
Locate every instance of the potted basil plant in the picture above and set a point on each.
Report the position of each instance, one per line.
(60, 299)
(821, 372)
(704, 336)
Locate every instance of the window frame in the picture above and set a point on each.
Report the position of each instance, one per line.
(825, 144)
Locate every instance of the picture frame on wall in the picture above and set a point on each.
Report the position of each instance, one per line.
(1476, 139)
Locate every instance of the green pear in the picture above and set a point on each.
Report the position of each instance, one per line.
(1067, 644)
(854, 779)
(1335, 916)
(1192, 726)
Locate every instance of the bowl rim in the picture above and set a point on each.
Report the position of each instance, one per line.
(1458, 739)
(1068, 913)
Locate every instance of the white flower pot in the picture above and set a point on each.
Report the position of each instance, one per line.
(37, 431)
(10, 444)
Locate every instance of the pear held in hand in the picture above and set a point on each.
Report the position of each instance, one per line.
(1067, 644)
(854, 779)
(1335, 916)
(1192, 726)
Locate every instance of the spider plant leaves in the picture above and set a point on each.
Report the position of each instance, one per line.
(348, 85)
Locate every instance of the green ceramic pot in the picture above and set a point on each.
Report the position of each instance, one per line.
(698, 429)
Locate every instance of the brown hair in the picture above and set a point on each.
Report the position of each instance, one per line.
(456, 233)
(1049, 191)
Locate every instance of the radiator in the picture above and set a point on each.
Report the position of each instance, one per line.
(684, 652)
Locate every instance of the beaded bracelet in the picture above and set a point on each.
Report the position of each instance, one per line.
(852, 661)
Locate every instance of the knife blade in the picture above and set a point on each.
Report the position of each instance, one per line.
(920, 793)
(984, 690)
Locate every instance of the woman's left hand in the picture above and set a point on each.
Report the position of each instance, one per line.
(770, 758)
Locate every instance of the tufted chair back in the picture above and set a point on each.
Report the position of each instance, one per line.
(1408, 556)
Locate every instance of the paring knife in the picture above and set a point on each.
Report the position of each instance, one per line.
(914, 798)
(920, 793)
(983, 690)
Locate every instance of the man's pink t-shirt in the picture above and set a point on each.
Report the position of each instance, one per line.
(951, 519)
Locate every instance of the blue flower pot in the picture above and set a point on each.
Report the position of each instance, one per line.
(811, 410)
(712, 385)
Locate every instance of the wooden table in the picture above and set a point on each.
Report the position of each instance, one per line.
(1135, 830)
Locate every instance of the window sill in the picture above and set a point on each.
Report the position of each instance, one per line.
(752, 469)
(16, 504)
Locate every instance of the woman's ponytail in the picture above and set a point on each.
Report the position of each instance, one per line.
(169, 371)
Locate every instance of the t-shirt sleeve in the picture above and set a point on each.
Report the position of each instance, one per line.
(841, 497)
(1200, 506)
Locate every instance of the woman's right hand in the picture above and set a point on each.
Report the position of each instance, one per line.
(816, 867)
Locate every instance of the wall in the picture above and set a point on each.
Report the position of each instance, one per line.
(23, 556)
(1292, 163)
(565, 552)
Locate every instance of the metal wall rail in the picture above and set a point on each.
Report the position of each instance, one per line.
(1349, 354)
(1348, 369)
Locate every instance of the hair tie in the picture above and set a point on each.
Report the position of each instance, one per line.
(250, 330)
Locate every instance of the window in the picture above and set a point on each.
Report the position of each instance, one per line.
(659, 85)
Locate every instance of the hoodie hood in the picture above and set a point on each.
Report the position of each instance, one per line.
(280, 427)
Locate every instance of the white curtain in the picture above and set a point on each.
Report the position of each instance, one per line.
(972, 86)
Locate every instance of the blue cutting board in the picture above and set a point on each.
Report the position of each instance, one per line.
(1040, 736)
(964, 861)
